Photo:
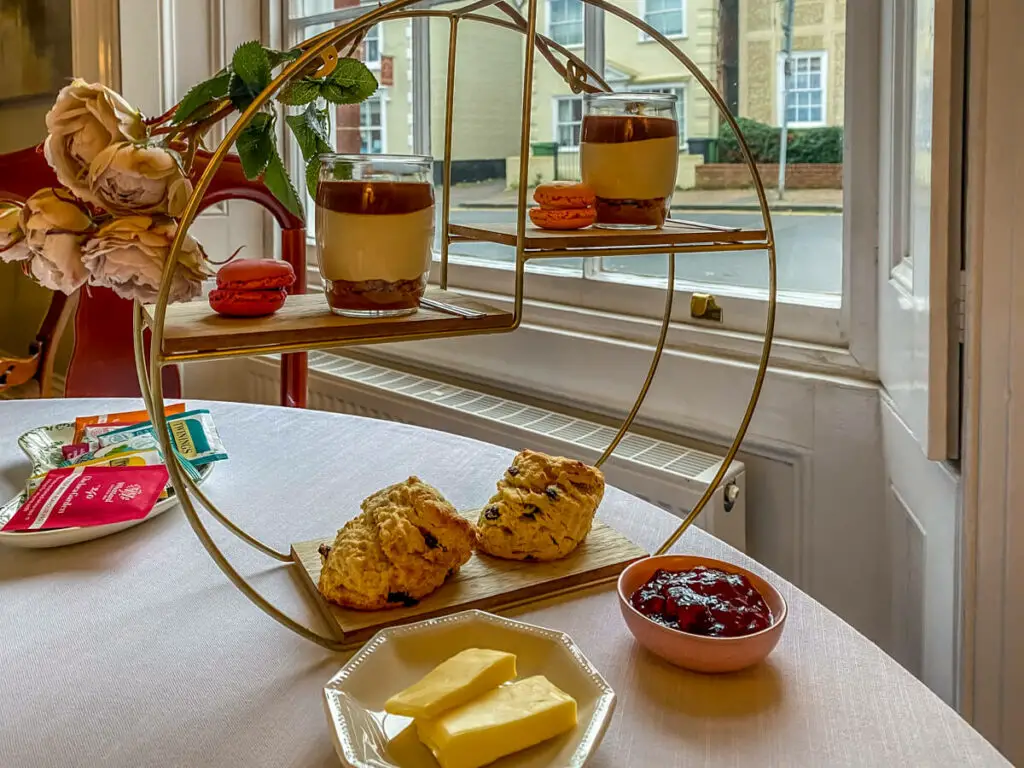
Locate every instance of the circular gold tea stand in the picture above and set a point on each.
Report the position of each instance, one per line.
(319, 54)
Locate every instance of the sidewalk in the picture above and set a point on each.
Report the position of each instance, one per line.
(493, 194)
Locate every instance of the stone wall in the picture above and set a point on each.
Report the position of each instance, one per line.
(798, 176)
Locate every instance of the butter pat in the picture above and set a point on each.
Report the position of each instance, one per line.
(463, 677)
(503, 721)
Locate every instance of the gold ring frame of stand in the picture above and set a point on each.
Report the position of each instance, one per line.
(322, 51)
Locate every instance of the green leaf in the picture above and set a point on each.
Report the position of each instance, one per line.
(241, 94)
(255, 145)
(201, 94)
(350, 83)
(298, 93)
(310, 130)
(252, 63)
(277, 181)
(317, 120)
(313, 175)
(279, 57)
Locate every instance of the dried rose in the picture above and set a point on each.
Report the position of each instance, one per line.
(55, 226)
(128, 255)
(12, 239)
(85, 120)
(126, 178)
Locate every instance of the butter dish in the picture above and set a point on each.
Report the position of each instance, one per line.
(366, 736)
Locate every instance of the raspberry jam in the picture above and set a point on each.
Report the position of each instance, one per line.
(703, 601)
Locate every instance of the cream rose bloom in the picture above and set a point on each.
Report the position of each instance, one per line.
(12, 240)
(128, 255)
(85, 120)
(127, 178)
(55, 227)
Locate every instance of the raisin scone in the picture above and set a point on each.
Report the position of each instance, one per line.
(543, 508)
(405, 543)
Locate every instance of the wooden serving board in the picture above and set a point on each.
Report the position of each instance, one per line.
(485, 583)
(673, 233)
(306, 319)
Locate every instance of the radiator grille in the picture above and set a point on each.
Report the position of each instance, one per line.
(658, 454)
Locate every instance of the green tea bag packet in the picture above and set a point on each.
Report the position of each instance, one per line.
(145, 440)
(193, 435)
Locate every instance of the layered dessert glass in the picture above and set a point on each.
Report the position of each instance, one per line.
(629, 150)
(374, 232)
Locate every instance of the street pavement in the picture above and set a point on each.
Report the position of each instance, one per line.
(809, 248)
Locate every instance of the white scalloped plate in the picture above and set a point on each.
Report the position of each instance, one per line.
(367, 737)
(42, 446)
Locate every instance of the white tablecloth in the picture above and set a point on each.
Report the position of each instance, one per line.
(134, 650)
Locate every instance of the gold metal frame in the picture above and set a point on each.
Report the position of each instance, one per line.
(321, 50)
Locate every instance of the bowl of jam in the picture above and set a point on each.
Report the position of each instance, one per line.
(699, 613)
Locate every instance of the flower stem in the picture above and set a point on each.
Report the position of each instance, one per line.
(160, 120)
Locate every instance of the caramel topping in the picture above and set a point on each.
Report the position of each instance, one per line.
(374, 197)
(615, 129)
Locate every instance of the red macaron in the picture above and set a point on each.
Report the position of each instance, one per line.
(251, 287)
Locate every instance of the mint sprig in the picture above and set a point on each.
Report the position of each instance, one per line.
(250, 72)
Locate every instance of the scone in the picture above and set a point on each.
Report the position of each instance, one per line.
(542, 510)
(402, 547)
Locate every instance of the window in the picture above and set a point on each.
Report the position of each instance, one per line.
(814, 276)
(803, 89)
(565, 21)
(371, 47)
(371, 125)
(666, 16)
(568, 121)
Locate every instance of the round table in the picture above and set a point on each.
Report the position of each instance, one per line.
(134, 650)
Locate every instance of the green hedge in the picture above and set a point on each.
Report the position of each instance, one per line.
(806, 145)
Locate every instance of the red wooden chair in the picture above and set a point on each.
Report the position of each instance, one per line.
(103, 362)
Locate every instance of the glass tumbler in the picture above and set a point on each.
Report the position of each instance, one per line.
(629, 152)
(374, 232)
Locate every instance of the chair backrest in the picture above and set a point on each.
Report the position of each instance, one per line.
(103, 361)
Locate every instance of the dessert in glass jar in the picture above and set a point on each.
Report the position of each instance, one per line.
(374, 232)
(629, 150)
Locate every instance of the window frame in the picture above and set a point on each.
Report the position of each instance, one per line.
(374, 64)
(782, 107)
(838, 331)
(557, 122)
(382, 97)
(645, 38)
(548, 30)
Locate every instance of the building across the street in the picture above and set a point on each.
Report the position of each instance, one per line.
(738, 44)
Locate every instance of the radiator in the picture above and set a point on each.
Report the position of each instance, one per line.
(666, 473)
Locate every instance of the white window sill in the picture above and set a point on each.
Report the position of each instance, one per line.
(559, 322)
(644, 38)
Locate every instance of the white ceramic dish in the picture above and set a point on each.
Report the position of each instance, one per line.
(42, 446)
(366, 737)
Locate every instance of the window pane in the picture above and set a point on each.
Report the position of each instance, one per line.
(486, 135)
(808, 222)
(379, 124)
(565, 21)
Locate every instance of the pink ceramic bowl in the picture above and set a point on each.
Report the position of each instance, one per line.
(697, 652)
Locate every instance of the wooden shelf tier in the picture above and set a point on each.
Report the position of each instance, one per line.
(675, 237)
(193, 331)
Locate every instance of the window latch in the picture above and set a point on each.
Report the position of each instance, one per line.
(704, 307)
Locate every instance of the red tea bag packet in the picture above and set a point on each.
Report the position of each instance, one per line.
(74, 451)
(85, 496)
